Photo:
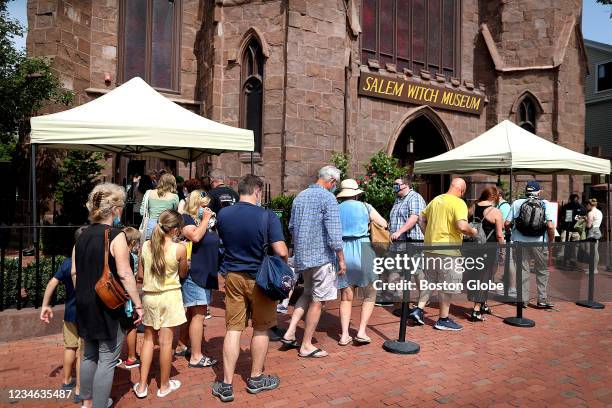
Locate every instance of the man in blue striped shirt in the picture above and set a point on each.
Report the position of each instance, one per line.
(317, 245)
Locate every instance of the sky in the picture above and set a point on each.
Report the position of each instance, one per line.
(596, 21)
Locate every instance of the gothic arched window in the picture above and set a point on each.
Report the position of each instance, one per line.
(251, 103)
(526, 114)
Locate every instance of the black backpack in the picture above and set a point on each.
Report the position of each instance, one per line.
(480, 237)
(531, 220)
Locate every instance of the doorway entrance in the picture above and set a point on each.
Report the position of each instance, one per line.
(423, 135)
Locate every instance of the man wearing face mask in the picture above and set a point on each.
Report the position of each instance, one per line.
(317, 242)
(403, 225)
(405, 212)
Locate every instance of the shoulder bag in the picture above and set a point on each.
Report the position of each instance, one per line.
(274, 276)
(109, 290)
(379, 236)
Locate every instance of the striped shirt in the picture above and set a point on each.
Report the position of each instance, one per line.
(411, 204)
(316, 228)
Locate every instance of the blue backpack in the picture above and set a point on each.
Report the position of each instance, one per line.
(274, 277)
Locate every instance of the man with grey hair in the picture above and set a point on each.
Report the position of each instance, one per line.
(220, 195)
(317, 248)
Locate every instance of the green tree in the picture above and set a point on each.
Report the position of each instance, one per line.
(377, 184)
(606, 2)
(26, 85)
(78, 174)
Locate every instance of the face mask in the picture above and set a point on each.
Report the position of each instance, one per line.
(200, 212)
(116, 221)
(332, 189)
(396, 188)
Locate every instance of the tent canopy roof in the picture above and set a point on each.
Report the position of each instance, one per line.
(508, 146)
(135, 119)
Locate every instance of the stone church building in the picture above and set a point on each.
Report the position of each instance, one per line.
(413, 78)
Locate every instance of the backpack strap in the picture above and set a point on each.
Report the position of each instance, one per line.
(266, 221)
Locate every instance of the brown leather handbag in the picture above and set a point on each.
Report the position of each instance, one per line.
(109, 290)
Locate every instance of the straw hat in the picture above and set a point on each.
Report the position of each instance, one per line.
(349, 188)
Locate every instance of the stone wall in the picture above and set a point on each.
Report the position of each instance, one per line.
(265, 20)
(61, 31)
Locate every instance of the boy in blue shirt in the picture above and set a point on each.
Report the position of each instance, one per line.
(71, 338)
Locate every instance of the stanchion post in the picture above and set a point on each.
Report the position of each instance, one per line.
(401, 346)
(519, 320)
(590, 302)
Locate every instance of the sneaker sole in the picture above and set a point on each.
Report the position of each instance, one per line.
(131, 366)
(446, 328)
(258, 390)
(416, 320)
(222, 398)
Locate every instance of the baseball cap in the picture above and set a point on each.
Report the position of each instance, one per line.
(532, 187)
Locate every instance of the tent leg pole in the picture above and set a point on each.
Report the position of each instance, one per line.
(609, 266)
(190, 167)
(252, 164)
(34, 198)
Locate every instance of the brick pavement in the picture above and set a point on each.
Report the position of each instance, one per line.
(564, 361)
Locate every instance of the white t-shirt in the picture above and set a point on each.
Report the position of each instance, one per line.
(595, 217)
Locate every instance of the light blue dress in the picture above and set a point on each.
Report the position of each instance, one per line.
(358, 254)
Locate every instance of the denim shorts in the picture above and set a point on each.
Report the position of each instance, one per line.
(195, 295)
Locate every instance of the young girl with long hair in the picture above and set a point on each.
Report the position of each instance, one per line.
(161, 264)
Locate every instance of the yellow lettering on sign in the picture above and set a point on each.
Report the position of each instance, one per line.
(368, 83)
(397, 91)
(389, 87)
(476, 103)
(447, 98)
(411, 91)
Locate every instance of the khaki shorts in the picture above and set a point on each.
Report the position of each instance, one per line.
(163, 309)
(244, 300)
(438, 269)
(71, 337)
(320, 283)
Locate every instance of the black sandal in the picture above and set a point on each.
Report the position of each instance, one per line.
(477, 316)
(204, 362)
(290, 343)
(185, 352)
(485, 309)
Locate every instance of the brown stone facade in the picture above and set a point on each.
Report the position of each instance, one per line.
(313, 63)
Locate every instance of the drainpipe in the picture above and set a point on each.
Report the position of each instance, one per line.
(284, 116)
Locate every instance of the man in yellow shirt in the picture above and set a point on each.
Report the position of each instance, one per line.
(444, 221)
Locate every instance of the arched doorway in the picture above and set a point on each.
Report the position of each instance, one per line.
(422, 135)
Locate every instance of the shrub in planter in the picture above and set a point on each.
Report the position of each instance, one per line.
(28, 281)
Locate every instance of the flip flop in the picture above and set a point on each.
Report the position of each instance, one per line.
(313, 354)
(346, 343)
(362, 340)
(290, 343)
(174, 385)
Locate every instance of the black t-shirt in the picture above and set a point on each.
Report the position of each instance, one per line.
(570, 211)
(222, 197)
(204, 258)
(94, 320)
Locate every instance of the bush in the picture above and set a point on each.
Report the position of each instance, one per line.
(283, 203)
(341, 161)
(28, 281)
(377, 184)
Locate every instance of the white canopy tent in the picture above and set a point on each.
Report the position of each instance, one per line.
(135, 119)
(508, 148)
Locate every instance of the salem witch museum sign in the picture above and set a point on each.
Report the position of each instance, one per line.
(403, 90)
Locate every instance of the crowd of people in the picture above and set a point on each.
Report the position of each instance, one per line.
(191, 232)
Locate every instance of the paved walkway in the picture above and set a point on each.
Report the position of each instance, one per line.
(565, 361)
